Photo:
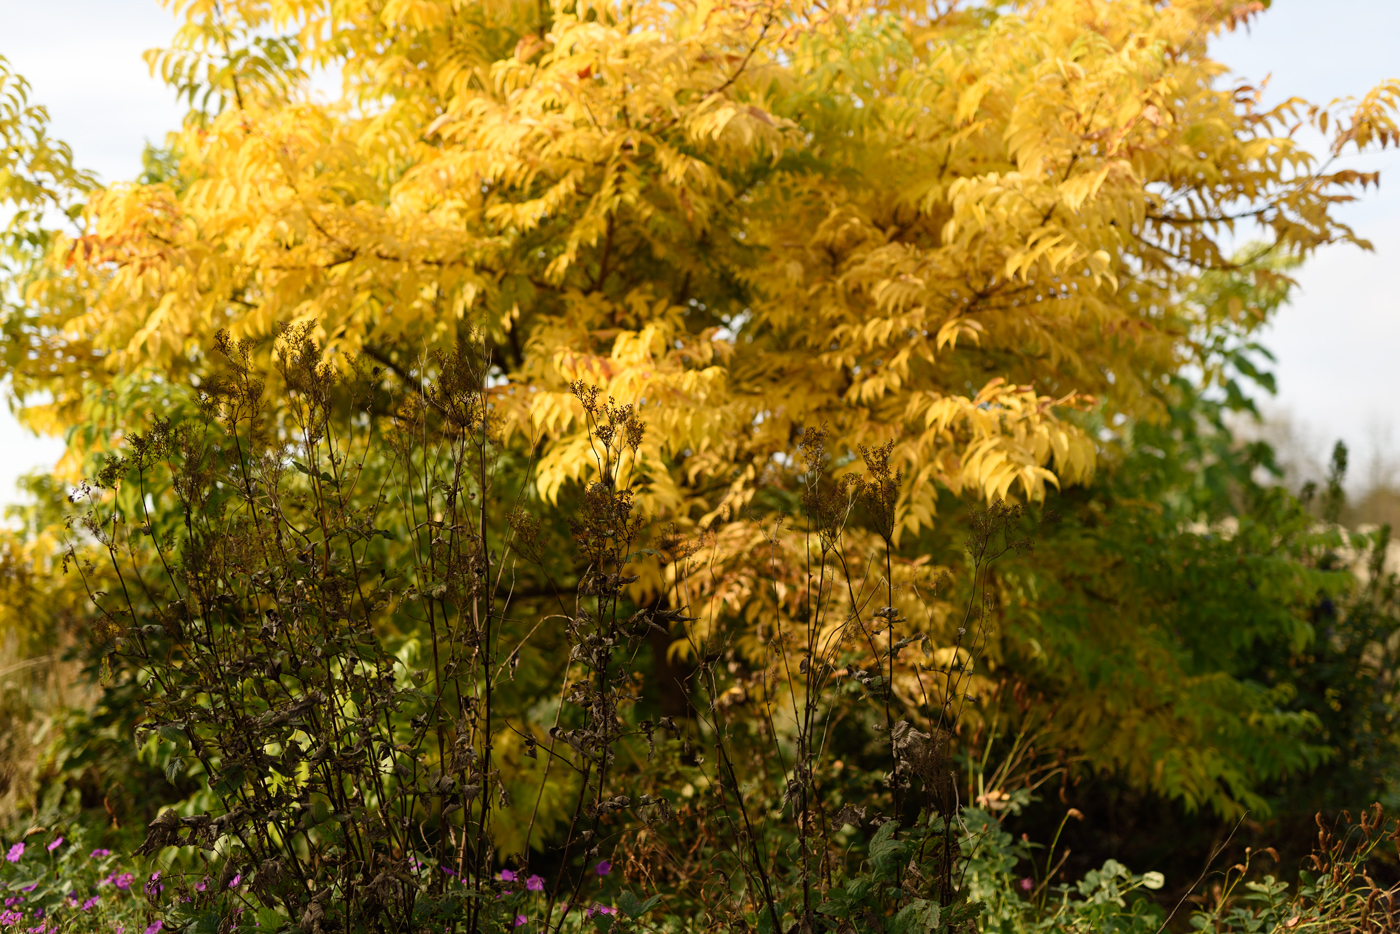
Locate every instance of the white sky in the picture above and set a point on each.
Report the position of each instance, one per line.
(1335, 345)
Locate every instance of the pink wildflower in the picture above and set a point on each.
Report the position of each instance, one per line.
(155, 926)
(603, 868)
(15, 853)
(58, 842)
(520, 920)
(507, 875)
(98, 854)
(535, 884)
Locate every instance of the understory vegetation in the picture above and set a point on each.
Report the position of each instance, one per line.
(374, 704)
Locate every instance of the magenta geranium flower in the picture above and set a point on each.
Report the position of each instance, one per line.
(507, 875)
(98, 854)
(15, 853)
(520, 920)
(534, 884)
(603, 868)
(155, 926)
(58, 842)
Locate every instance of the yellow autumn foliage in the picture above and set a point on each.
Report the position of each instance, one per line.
(929, 224)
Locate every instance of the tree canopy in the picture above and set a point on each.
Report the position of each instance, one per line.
(929, 224)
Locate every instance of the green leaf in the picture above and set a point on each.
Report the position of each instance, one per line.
(175, 732)
(918, 917)
(885, 850)
(229, 782)
(174, 768)
(269, 920)
(857, 889)
(207, 923)
(633, 908)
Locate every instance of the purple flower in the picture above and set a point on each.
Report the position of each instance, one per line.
(15, 853)
(599, 910)
(507, 875)
(154, 887)
(123, 881)
(58, 842)
(30, 887)
(13, 901)
(603, 868)
(534, 884)
(202, 884)
(98, 854)
(520, 920)
(1027, 884)
(448, 871)
(8, 918)
(236, 880)
(155, 926)
(88, 905)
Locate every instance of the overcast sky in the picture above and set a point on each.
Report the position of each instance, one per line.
(1336, 344)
